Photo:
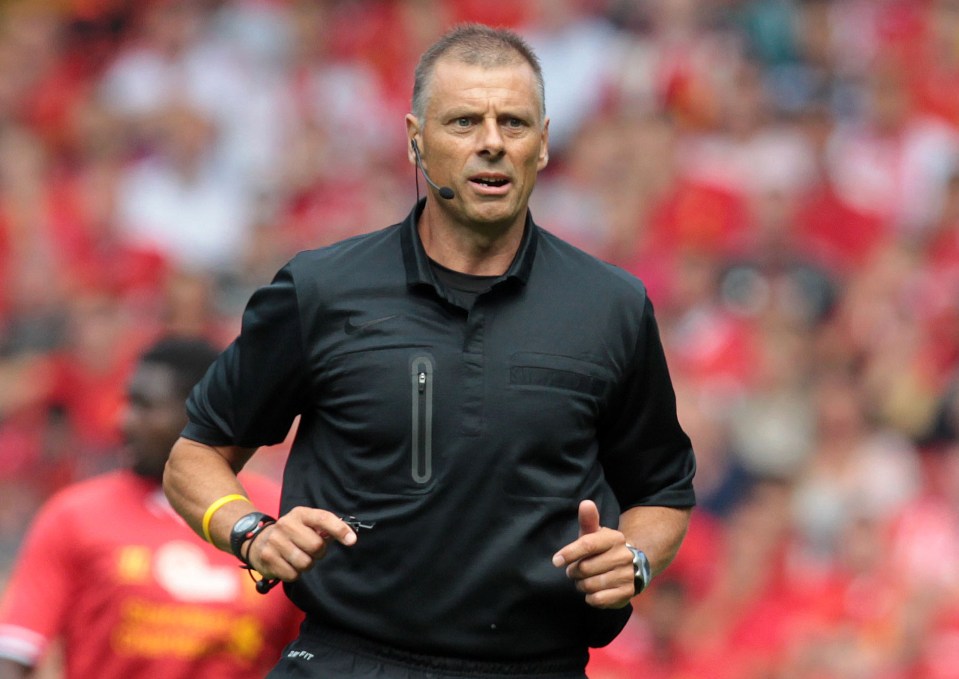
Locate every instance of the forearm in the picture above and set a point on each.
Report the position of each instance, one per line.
(658, 531)
(196, 476)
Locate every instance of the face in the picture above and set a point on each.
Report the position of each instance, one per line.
(153, 418)
(483, 135)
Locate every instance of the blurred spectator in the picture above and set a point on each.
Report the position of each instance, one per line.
(33, 264)
(894, 162)
(855, 469)
(182, 55)
(180, 201)
(772, 426)
(938, 271)
(884, 338)
(714, 346)
(578, 49)
(337, 97)
(722, 474)
(129, 592)
(608, 177)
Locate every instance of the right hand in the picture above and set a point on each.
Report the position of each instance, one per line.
(296, 541)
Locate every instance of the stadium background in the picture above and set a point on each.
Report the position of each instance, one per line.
(784, 175)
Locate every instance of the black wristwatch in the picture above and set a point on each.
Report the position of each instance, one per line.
(642, 573)
(247, 527)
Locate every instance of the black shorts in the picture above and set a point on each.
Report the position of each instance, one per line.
(327, 654)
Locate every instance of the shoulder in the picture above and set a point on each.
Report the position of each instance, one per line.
(382, 246)
(571, 264)
(313, 277)
(316, 276)
(84, 502)
(100, 491)
(572, 282)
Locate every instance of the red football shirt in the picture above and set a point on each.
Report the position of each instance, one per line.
(110, 569)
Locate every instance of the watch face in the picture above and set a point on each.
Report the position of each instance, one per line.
(246, 523)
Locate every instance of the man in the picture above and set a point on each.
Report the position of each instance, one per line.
(112, 572)
(489, 405)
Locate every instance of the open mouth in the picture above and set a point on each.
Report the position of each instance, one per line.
(490, 182)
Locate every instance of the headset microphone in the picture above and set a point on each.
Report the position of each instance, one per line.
(444, 191)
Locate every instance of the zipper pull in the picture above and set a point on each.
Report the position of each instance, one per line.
(421, 381)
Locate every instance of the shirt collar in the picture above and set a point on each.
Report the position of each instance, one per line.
(419, 272)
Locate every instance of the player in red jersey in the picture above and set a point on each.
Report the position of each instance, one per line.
(111, 570)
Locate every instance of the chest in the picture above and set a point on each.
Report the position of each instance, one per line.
(406, 352)
(409, 389)
(151, 556)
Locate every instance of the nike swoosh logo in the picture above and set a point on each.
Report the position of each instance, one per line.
(352, 328)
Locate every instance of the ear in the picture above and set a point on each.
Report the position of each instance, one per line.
(412, 132)
(544, 147)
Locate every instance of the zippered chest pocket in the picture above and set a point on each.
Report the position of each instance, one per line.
(421, 381)
(375, 427)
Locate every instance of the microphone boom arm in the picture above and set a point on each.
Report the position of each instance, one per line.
(445, 192)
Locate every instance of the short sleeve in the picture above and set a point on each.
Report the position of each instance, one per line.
(252, 393)
(38, 595)
(647, 457)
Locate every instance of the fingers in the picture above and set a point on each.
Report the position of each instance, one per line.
(604, 576)
(609, 590)
(597, 542)
(296, 541)
(326, 525)
(585, 545)
(606, 579)
(588, 517)
(594, 554)
(597, 561)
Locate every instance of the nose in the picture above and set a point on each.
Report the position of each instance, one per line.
(491, 142)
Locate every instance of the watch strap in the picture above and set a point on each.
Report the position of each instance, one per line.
(642, 572)
(246, 528)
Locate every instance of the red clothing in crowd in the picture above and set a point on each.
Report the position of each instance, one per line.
(133, 592)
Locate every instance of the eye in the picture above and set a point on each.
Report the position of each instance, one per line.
(463, 121)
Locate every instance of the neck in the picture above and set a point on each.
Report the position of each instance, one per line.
(486, 250)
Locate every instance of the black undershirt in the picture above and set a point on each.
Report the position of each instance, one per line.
(465, 287)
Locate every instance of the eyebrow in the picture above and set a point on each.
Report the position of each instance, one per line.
(466, 111)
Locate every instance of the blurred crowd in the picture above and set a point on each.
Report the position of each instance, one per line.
(783, 175)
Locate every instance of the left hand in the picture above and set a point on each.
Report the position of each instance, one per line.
(598, 561)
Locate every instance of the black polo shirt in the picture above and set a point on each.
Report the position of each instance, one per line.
(468, 436)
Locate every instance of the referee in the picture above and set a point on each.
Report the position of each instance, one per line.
(488, 464)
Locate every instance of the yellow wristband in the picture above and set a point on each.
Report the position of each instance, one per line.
(214, 506)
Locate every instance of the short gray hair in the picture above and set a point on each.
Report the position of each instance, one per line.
(477, 45)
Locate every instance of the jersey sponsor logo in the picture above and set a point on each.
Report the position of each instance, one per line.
(133, 564)
(352, 328)
(305, 655)
(184, 570)
(155, 629)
